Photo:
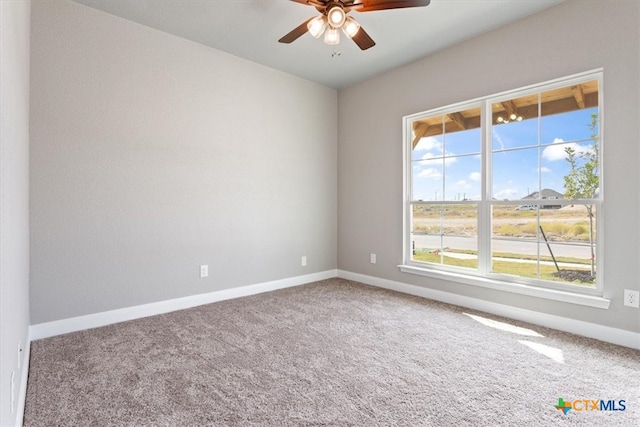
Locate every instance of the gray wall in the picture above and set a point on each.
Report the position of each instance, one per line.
(151, 155)
(573, 37)
(14, 198)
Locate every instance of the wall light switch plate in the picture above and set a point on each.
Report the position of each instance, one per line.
(204, 271)
(303, 262)
(372, 258)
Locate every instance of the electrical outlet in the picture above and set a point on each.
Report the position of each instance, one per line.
(204, 271)
(372, 258)
(303, 262)
(632, 298)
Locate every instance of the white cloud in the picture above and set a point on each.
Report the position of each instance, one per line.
(475, 176)
(430, 173)
(556, 151)
(427, 144)
(545, 169)
(462, 184)
(432, 149)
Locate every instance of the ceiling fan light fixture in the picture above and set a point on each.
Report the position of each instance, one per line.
(350, 27)
(336, 16)
(510, 118)
(332, 36)
(317, 26)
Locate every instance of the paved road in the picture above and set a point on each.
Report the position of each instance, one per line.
(503, 245)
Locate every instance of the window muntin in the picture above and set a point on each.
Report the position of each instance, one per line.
(513, 221)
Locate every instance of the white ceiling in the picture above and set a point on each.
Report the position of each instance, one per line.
(250, 29)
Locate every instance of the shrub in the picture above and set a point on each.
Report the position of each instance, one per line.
(530, 228)
(578, 229)
(507, 230)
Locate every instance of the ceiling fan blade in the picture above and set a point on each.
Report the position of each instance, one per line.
(373, 5)
(316, 3)
(295, 33)
(363, 40)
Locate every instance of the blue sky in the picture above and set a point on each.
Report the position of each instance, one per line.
(451, 164)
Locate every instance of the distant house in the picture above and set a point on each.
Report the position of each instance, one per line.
(546, 194)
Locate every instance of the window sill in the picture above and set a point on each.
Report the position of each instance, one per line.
(551, 294)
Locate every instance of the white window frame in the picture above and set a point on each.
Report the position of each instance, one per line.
(593, 297)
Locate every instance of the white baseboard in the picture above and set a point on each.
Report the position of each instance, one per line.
(590, 330)
(578, 327)
(22, 397)
(80, 323)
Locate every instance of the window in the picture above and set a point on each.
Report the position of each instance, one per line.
(508, 187)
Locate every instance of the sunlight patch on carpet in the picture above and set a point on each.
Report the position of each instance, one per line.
(551, 352)
(502, 326)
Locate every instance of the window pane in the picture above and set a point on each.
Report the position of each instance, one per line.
(426, 248)
(570, 225)
(514, 243)
(463, 134)
(426, 234)
(567, 112)
(428, 147)
(511, 221)
(462, 178)
(515, 258)
(547, 243)
(573, 264)
(426, 219)
(556, 168)
(515, 174)
(460, 239)
(428, 180)
(515, 123)
(569, 126)
(553, 168)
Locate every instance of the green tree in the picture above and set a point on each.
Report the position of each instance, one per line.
(583, 181)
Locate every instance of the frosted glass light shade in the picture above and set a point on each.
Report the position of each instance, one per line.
(332, 36)
(336, 17)
(350, 27)
(317, 26)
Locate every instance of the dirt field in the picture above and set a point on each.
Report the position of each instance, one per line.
(568, 224)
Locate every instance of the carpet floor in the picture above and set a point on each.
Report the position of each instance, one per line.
(334, 353)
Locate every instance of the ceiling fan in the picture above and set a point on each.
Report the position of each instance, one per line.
(333, 17)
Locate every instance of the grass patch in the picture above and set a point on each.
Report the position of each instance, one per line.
(542, 258)
(515, 256)
(435, 258)
(520, 269)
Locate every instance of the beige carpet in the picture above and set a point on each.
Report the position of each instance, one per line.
(329, 353)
